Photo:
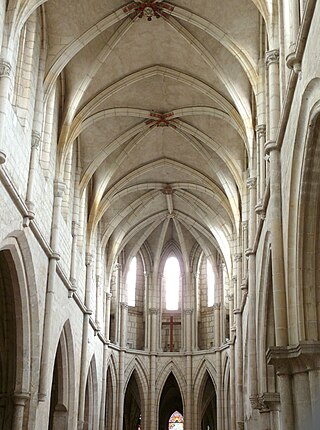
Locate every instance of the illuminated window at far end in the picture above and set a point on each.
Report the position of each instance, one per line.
(210, 283)
(172, 281)
(131, 282)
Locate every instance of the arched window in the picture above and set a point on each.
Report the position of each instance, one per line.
(131, 282)
(176, 421)
(172, 280)
(210, 283)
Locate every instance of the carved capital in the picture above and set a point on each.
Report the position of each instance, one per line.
(252, 183)
(245, 226)
(153, 311)
(59, 188)
(109, 296)
(35, 140)
(5, 68)
(261, 130)
(238, 257)
(188, 311)
(230, 297)
(118, 266)
(272, 57)
(75, 228)
(216, 306)
(89, 259)
(124, 306)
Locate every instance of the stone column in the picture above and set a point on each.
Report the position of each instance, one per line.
(102, 424)
(291, 27)
(250, 254)
(261, 140)
(153, 312)
(232, 388)
(121, 393)
(231, 308)
(314, 381)
(278, 279)
(85, 336)
(189, 338)
(146, 312)
(239, 370)
(20, 400)
(118, 268)
(75, 230)
(34, 157)
(302, 401)
(188, 413)
(44, 382)
(285, 389)
(123, 326)
(220, 422)
(108, 312)
(123, 344)
(217, 336)
(152, 394)
(5, 81)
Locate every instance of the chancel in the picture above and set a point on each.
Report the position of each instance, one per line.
(159, 215)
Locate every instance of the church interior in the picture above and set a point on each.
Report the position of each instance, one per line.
(159, 215)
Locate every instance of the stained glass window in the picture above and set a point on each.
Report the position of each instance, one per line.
(172, 278)
(131, 282)
(176, 421)
(210, 283)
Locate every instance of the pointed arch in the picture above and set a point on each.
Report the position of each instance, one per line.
(62, 404)
(91, 396)
(171, 367)
(20, 289)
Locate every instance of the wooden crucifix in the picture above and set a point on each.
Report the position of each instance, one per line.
(171, 324)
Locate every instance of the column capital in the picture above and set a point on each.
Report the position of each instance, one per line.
(245, 225)
(252, 183)
(75, 228)
(270, 145)
(89, 259)
(35, 139)
(272, 57)
(261, 130)
(153, 311)
(238, 257)
(118, 266)
(21, 398)
(124, 306)
(188, 311)
(230, 297)
(216, 306)
(5, 68)
(59, 188)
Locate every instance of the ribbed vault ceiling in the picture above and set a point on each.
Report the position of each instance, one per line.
(159, 112)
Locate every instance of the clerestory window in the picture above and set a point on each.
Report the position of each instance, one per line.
(210, 284)
(172, 280)
(131, 282)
